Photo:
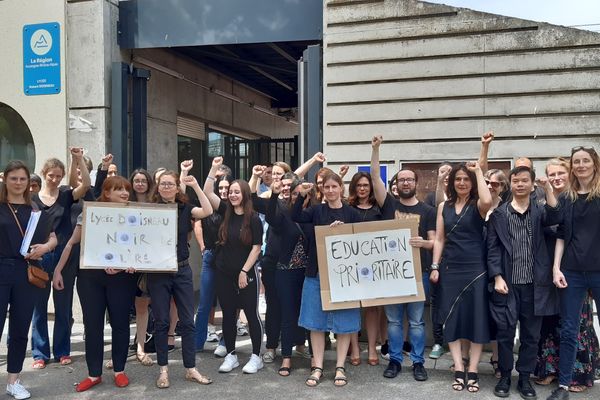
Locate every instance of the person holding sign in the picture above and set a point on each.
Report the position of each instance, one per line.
(332, 212)
(100, 291)
(163, 286)
(408, 204)
(238, 248)
(459, 246)
(16, 210)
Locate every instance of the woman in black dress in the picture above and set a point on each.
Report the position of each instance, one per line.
(459, 265)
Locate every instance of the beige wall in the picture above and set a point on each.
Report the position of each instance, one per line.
(432, 78)
(45, 115)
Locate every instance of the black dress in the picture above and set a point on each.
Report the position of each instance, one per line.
(463, 277)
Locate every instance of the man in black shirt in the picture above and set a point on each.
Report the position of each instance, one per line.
(520, 264)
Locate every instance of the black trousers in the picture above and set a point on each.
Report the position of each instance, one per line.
(98, 292)
(273, 314)
(179, 285)
(232, 298)
(529, 334)
(437, 327)
(16, 291)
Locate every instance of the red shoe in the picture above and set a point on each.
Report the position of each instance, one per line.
(121, 380)
(86, 384)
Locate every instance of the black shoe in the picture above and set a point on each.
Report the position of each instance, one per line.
(385, 349)
(392, 370)
(419, 372)
(559, 394)
(502, 388)
(525, 389)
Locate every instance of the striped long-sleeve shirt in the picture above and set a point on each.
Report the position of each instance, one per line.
(521, 235)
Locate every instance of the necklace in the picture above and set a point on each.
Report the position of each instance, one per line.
(14, 209)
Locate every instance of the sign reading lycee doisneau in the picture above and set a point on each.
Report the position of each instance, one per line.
(141, 236)
(369, 263)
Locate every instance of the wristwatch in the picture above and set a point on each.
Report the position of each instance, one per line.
(434, 267)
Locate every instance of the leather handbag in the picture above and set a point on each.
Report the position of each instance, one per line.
(36, 275)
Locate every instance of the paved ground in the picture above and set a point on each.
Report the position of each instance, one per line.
(365, 382)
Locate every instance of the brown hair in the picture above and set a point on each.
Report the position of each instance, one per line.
(10, 167)
(332, 176)
(284, 166)
(52, 163)
(247, 206)
(180, 197)
(352, 197)
(113, 183)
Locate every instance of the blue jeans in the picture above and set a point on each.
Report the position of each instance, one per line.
(416, 330)
(63, 310)
(207, 297)
(571, 301)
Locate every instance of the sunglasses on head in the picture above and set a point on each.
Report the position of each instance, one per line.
(495, 185)
(588, 149)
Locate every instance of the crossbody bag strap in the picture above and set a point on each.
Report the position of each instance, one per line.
(16, 220)
(462, 214)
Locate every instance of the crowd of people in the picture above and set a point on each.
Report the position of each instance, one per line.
(505, 254)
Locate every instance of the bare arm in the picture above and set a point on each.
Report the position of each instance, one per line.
(57, 280)
(257, 172)
(438, 243)
(378, 185)
(77, 161)
(440, 188)
(485, 198)
(318, 158)
(205, 208)
(557, 276)
(209, 184)
(486, 139)
(185, 166)
(198, 234)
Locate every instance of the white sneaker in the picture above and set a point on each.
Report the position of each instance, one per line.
(220, 351)
(253, 365)
(241, 329)
(212, 336)
(230, 362)
(262, 304)
(17, 390)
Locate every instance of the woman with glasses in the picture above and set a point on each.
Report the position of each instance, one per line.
(362, 198)
(179, 286)
(459, 248)
(576, 267)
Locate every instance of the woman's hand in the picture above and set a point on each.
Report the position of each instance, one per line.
(106, 161)
(186, 165)
(434, 276)
(242, 279)
(336, 223)
(190, 181)
(37, 251)
(217, 162)
(559, 279)
(57, 281)
(112, 271)
(376, 141)
(130, 270)
(473, 166)
(319, 157)
(305, 188)
(500, 285)
(417, 241)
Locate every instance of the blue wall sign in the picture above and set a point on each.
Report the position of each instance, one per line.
(41, 59)
(382, 172)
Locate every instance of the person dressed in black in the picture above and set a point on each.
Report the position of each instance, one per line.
(179, 286)
(238, 248)
(519, 263)
(16, 292)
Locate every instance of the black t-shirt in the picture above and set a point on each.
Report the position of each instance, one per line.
(583, 252)
(372, 213)
(59, 213)
(211, 225)
(426, 223)
(10, 235)
(232, 255)
(184, 227)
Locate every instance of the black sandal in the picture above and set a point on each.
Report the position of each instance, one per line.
(343, 381)
(287, 371)
(459, 381)
(472, 382)
(494, 364)
(313, 377)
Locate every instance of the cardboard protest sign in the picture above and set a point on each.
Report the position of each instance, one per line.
(135, 235)
(369, 264)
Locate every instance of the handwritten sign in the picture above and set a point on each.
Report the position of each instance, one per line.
(137, 235)
(369, 263)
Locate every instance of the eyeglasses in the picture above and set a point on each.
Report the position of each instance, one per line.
(167, 185)
(584, 148)
(495, 185)
(363, 185)
(140, 181)
(406, 180)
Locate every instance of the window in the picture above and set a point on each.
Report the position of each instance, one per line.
(16, 142)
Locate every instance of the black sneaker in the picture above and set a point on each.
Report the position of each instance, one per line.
(392, 370)
(525, 389)
(385, 351)
(502, 388)
(419, 372)
(559, 394)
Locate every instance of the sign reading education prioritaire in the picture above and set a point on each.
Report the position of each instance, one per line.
(41, 59)
(140, 236)
(369, 263)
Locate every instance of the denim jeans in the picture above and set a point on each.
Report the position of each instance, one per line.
(289, 289)
(571, 301)
(416, 330)
(207, 297)
(63, 310)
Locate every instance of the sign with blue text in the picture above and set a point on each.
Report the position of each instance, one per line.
(369, 264)
(41, 59)
(134, 235)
